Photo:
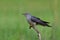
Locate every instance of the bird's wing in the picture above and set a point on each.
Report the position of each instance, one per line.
(35, 19)
(38, 20)
(45, 21)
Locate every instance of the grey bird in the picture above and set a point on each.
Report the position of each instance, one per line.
(32, 20)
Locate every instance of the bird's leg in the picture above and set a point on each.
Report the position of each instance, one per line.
(30, 26)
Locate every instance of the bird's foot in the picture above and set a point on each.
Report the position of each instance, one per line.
(30, 27)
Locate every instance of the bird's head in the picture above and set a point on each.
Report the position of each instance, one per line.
(26, 14)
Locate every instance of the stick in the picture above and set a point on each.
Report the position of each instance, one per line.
(39, 34)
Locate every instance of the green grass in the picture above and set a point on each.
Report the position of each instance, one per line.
(13, 25)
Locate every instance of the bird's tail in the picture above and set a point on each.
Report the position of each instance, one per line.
(49, 26)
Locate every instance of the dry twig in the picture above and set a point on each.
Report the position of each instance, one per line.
(39, 34)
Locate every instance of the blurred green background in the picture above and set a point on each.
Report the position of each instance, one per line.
(13, 25)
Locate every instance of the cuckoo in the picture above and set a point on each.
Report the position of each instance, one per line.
(32, 20)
